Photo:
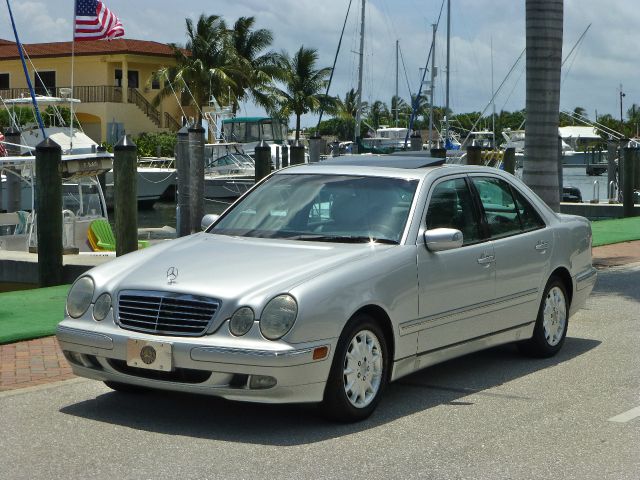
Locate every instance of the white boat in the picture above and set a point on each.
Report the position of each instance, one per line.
(153, 182)
(82, 201)
(229, 171)
(387, 138)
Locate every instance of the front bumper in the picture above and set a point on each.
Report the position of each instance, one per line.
(206, 365)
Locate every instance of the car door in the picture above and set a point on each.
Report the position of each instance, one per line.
(455, 286)
(522, 245)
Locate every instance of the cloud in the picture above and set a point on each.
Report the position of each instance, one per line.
(604, 60)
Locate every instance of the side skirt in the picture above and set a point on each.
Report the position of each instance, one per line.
(408, 365)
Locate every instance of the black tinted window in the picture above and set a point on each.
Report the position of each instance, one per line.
(499, 206)
(451, 206)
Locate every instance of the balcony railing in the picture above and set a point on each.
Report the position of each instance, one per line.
(97, 94)
(86, 93)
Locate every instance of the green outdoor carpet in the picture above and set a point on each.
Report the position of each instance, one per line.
(29, 314)
(615, 230)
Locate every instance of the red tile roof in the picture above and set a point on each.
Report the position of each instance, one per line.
(8, 50)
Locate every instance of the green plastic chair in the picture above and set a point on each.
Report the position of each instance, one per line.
(101, 229)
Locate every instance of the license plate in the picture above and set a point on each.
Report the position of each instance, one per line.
(150, 355)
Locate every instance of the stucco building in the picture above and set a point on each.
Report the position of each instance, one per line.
(113, 80)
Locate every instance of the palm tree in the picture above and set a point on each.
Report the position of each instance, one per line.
(257, 70)
(378, 113)
(303, 85)
(204, 67)
(347, 108)
(544, 56)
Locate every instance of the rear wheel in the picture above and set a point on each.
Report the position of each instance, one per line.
(359, 371)
(551, 324)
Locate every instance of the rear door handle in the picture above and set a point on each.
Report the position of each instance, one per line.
(542, 245)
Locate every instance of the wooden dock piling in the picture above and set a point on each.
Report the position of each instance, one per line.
(297, 153)
(49, 212)
(183, 192)
(263, 160)
(125, 171)
(630, 159)
(474, 155)
(196, 161)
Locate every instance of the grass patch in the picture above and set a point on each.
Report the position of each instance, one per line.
(606, 232)
(29, 314)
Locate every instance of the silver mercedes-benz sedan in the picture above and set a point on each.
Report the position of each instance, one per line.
(327, 281)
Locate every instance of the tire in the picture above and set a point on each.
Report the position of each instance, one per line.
(350, 397)
(551, 324)
(125, 387)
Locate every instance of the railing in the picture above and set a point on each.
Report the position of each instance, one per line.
(143, 104)
(99, 94)
(86, 94)
(170, 122)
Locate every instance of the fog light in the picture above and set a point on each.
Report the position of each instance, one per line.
(260, 382)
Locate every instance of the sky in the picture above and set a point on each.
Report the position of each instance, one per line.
(483, 32)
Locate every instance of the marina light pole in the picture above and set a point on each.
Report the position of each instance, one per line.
(622, 95)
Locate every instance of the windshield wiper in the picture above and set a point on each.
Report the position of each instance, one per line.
(342, 239)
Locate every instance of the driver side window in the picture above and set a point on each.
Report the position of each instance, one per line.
(451, 206)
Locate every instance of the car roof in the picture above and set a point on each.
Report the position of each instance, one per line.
(406, 166)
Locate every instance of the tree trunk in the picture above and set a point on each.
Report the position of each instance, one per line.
(297, 126)
(542, 163)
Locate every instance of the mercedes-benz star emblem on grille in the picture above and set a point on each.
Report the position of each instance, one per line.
(172, 274)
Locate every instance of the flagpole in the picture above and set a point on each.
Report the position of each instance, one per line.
(73, 52)
(26, 73)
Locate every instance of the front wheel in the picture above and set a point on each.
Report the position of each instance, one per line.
(551, 324)
(359, 371)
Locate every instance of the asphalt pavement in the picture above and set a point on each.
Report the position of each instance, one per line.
(490, 415)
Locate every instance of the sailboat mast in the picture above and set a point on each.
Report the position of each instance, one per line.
(493, 104)
(359, 93)
(433, 81)
(396, 106)
(446, 108)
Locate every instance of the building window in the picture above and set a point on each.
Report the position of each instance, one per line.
(155, 82)
(4, 81)
(132, 76)
(45, 83)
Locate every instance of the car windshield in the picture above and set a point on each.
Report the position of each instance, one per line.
(329, 208)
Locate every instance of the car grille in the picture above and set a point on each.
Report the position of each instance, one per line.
(165, 313)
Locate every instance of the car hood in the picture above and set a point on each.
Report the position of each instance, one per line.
(227, 268)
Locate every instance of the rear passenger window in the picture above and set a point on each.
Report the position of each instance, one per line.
(499, 207)
(529, 218)
(451, 206)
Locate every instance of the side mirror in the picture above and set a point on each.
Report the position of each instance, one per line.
(440, 239)
(208, 220)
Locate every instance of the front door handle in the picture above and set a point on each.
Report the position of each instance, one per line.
(486, 259)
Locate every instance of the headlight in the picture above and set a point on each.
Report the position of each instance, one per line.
(241, 321)
(80, 297)
(102, 307)
(278, 317)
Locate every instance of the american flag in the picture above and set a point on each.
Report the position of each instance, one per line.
(94, 21)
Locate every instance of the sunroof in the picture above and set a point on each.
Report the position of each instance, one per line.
(392, 161)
